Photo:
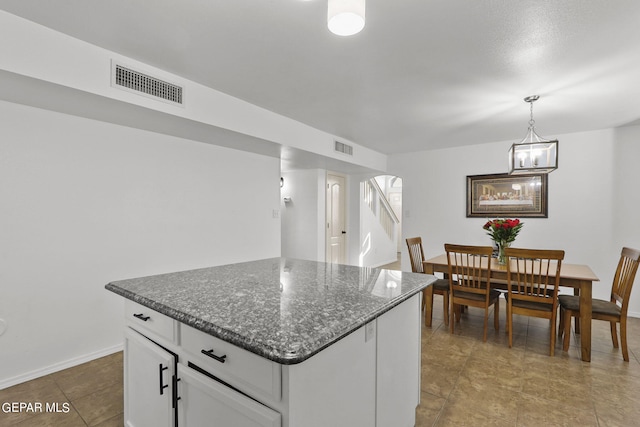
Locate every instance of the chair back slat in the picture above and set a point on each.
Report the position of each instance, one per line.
(416, 254)
(625, 277)
(533, 274)
(466, 267)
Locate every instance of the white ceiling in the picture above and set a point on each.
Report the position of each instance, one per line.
(423, 74)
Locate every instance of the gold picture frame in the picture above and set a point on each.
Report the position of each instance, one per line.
(504, 195)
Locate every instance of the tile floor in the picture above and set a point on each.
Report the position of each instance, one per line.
(92, 392)
(465, 382)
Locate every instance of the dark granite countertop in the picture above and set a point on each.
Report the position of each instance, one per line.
(283, 309)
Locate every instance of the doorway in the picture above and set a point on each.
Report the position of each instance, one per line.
(336, 219)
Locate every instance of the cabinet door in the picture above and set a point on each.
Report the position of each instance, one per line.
(204, 401)
(148, 373)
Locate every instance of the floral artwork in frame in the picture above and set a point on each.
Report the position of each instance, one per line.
(504, 195)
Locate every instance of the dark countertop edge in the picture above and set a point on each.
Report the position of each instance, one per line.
(260, 350)
(354, 327)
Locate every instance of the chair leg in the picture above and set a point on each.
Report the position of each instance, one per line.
(614, 334)
(509, 324)
(576, 320)
(486, 324)
(445, 307)
(566, 326)
(552, 338)
(452, 313)
(561, 323)
(623, 338)
(427, 296)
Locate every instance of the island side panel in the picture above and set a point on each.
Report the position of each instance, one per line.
(398, 365)
(337, 386)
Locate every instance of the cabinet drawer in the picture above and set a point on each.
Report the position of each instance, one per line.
(147, 320)
(203, 401)
(248, 372)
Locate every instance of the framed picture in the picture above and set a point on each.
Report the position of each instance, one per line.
(504, 195)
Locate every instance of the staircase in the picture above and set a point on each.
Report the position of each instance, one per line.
(379, 244)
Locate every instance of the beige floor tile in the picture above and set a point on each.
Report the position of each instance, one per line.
(486, 398)
(620, 413)
(36, 392)
(70, 419)
(535, 411)
(499, 352)
(438, 380)
(90, 377)
(456, 417)
(101, 406)
(117, 421)
(428, 410)
(493, 374)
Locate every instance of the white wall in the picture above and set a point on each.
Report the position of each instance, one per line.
(56, 59)
(592, 199)
(85, 203)
(626, 195)
(303, 232)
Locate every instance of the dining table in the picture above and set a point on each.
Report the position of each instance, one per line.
(580, 277)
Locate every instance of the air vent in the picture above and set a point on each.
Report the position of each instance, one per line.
(343, 148)
(135, 81)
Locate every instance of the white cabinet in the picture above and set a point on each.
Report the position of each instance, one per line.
(149, 372)
(205, 401)
(180, 376)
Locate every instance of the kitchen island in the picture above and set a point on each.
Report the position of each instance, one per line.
(277, 342)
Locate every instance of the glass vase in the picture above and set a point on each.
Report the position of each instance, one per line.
(502, 245)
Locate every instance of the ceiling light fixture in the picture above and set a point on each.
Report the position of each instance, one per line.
(533, 154)
(345, 17)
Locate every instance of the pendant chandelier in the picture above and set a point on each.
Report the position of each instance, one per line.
(533, 154)
(345, 17)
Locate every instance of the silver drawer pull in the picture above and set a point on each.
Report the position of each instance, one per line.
(209, 353)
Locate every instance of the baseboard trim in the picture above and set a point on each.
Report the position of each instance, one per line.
(59, 366)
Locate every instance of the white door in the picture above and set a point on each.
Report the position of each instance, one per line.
(336, 219)
(148, 376)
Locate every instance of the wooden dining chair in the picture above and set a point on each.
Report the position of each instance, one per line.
(440, 286)
(533, 276)
(613, 311)
(470, 283)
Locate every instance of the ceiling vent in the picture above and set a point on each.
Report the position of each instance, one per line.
(143, 84)
(341, 147)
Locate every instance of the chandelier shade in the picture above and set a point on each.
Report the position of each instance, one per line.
(345, 17)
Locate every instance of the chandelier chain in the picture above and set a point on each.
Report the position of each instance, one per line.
(531, 121)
